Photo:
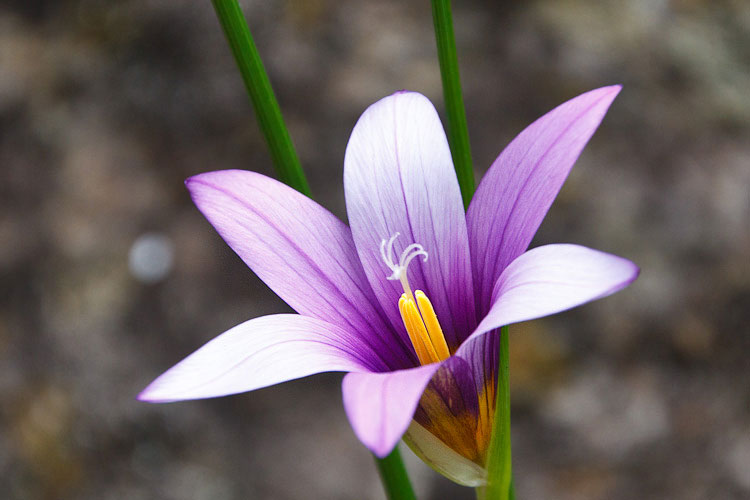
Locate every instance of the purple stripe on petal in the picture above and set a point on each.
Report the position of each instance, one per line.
(449, 408)
(381, 405)
(481, 354)
(301, 251)
(454, 384)
(550, 279)
(399, 177)
(522, 183)
(258, 353)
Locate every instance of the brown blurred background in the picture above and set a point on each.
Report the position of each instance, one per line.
(110, 275)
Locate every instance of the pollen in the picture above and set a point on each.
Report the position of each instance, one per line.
(416, 310)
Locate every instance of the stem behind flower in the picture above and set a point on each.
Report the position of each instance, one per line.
(499, 471)
(258, 86)
(394, 477)
(458, 133)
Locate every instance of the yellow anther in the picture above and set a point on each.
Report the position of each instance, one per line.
(433, 325)
(424, 329)
(416, 330)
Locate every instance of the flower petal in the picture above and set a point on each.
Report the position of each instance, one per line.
(521, 184)
(481, 355)
(380, 406)
(450, 430)
(300, 250)
(258, 353)
(550, 279)
(443, 458)
(399, 177)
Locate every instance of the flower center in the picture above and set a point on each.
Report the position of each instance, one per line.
(416, 310)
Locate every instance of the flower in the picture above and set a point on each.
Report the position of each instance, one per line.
(416, 326)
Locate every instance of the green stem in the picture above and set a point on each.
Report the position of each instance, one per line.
(458, 133)
(394, 477)
(261, 94)
(499, 472)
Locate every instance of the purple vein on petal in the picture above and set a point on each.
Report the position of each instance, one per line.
(380, 406)
(521, 184)
(438, 294)
(261, 352)
(497, 256)
(397, 155)
(395, 144)
(445, 312)
(367, 364)
(313, 265)
(550, 279)
(366, 312)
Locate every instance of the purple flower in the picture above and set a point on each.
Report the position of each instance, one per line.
(410, 299)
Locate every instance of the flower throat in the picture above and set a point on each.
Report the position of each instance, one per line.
(416, 310)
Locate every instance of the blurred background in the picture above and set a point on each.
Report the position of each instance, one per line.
(110, 275)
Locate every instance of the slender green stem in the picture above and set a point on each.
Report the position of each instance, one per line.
(261, 94)
(394, 477)
(458, 132)
(500, 478)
